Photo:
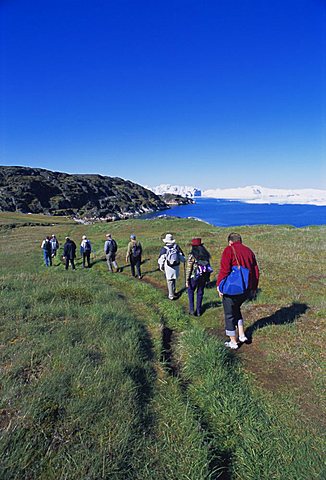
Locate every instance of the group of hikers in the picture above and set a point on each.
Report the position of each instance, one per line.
(50, 246)
(237, 280)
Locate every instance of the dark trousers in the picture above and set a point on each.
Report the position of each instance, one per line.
(199, 285)
(135, 262)
(232, 311)
(87, 256)
(71, 260)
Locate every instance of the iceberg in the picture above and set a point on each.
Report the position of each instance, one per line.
(184, 191)
(258, 194)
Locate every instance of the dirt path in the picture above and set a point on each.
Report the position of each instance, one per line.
(277, 377)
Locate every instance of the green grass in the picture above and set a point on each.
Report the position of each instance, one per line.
(80, 387)
(103, 377)
(246, 428)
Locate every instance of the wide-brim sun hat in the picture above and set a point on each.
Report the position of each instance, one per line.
(108, 235)
(196, 242)
(168, 238)
(84, 237)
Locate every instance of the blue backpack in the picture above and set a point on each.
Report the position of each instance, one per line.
(87, 247)
(237, 282)
(136, 250)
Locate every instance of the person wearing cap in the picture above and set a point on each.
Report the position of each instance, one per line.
(197, 274)
(85, 251)
(69, 253)
(133, 255)
(236, 254)
(110, 250)
(54, 245)
(47, 251)
(169, 262)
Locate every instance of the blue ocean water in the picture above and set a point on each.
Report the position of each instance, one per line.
(226, 213)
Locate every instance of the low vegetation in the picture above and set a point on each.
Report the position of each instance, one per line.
(103, 377)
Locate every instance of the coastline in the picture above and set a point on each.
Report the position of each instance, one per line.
(225, 213)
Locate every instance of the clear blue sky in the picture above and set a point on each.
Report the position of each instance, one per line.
(214, 93)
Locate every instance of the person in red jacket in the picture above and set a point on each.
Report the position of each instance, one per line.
(234, 254)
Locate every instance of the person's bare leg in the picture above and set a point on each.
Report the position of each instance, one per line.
(233, 340)
(242, 336)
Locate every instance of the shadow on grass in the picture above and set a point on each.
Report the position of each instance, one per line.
(144, 378)
(167, 352)
(220, 459)
(211, 284)
(98, 260)
(151, 271)
(208, 305)
(181, 292)
(281, 317)
(122, 267)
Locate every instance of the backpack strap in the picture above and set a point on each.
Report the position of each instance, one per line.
(236, 258)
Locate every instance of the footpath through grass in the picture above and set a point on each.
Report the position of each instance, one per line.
(103, 377)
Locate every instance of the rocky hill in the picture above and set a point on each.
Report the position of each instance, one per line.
(35, 190)
(176, 200)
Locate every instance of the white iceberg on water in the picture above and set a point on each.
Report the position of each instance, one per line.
(258, 194)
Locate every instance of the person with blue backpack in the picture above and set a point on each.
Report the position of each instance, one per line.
(85, 251)
(47, 251)
(54, 245)
(110, 250)
(134, 253)
(169, 261)
(197, 274)
(237, 282)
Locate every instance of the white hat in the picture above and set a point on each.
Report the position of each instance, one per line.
(168, 238)
(108, 235)
(84, 237)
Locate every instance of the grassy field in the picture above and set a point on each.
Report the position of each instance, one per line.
(104, 378)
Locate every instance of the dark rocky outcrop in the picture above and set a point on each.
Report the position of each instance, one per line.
(172, 199)
(35, 190)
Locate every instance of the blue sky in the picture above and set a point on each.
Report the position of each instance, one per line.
(214, 93)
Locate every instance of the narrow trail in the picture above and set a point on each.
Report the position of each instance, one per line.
(253, 356)
(168, 365)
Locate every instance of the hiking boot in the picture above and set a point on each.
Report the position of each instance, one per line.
(232, 345)
(243, 339)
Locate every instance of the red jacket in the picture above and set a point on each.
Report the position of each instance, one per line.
(246, 258)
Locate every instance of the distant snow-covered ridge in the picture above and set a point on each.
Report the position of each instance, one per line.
(184, 191)
(249, 194)
(257, 194)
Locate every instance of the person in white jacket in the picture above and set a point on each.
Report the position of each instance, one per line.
(85, 251)
(169, 262)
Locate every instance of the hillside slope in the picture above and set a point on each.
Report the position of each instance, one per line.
(36, 190)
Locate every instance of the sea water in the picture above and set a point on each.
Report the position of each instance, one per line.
(226, 213)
